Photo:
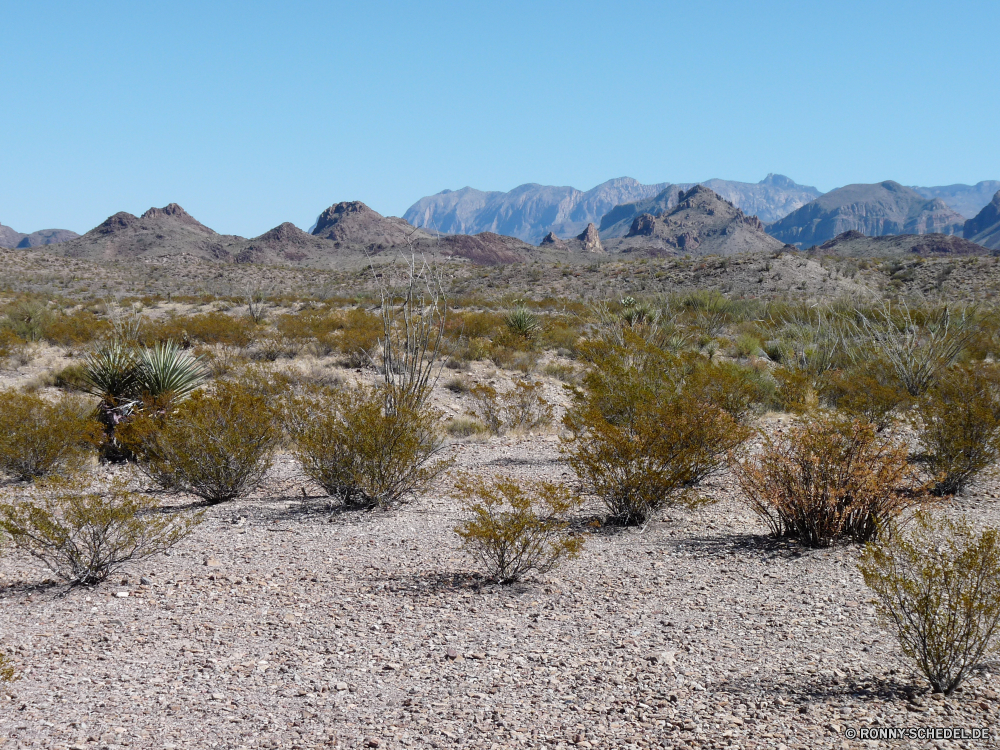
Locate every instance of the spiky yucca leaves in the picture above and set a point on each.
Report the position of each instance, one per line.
(84, 536)
(522, 322)
(938, 588)
(362, 452)
(515, 529)
(216, 445)
(165, 369)
(38, 437)
(125, 378)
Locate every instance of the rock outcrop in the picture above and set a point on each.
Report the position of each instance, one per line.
(968, 200)
(853, 244)
(590, 239)
(885, 208)
(702, 223)
(984, 228)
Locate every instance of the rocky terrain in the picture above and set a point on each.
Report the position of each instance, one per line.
(345, 235)
(874, 210)
(281, 624)
(984, 228)
(532, 211)
(12, 238)
(701, 223)
(968, 200)
(588, 241)
(853, 244)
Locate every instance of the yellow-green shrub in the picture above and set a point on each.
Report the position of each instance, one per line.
(515, 529)
(958, 424)
(521, 407)
(361, 453)
(217, 444)
(641, 439)
(38, 436)
(938, 588)
(83, 536)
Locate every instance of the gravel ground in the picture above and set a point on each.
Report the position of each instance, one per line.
(277, 624)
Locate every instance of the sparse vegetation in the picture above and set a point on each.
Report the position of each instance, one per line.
(937, 587)
(513, 529)
(85, 535)
(39, 437)
(831, 478)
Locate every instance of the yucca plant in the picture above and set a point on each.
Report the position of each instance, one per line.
(124, 378)
(522, 322)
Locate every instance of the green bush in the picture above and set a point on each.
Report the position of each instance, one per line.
(522, 407)
(361, 451)
(641, 437)
(938, 588)
(958, 424)
(218, 445)
(85, 536)
(831, 478)
(516, 529)
(38, 437)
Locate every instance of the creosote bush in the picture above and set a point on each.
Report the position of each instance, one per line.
(641, 436)
(7, 671)
(365, 449)
(958, 423)
(938, 587)
(515, 529)
(38, 437)
(217, 444)
(832, 478)
(85, 535)
(522, 407)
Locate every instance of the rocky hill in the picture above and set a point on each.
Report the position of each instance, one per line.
(701, 223)
(884, 208)
(968, 200)
(984, 228)
(14, 239)
(532, 211)
(346, 234)
(853, 244)
(588, 241)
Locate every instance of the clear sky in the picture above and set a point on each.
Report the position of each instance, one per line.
(252, 113)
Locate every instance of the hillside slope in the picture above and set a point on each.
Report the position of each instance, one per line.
(883, 208)
(968, 200)
(13, 239)
(984, 228)
(702, 223)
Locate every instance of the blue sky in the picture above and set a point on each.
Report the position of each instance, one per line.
(253, 113)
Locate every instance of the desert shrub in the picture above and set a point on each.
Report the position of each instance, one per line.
(514, 529)
(472, 324)
(38, 437)
(83, 536)
(27, 319)
(458, 385)
(10, 344)
(414, 316)
(565, 373)
(7, 671)
(958, 424)
(938, 588)
(830, 479)
(867, 392)
(463, 427)
(521, 407)
(641, 439)
(69, 378)
(208, 328)
(747, 345)
(72, 330)
(920, 345)
(217, 445)
(364, 449)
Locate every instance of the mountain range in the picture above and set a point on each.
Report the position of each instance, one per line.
(531, 211)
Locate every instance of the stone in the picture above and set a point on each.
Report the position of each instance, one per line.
(212, 562)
